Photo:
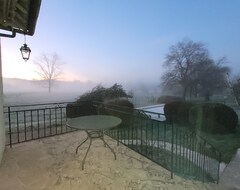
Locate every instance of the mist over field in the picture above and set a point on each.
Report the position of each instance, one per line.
(21, 91)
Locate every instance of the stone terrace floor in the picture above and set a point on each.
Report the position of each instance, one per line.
(51, 164)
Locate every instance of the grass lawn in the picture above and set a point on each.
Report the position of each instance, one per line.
(226, 144)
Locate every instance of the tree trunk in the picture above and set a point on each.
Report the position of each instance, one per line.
(49, 86)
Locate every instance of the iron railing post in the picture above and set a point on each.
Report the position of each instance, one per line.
(204, 160)
(219, 162)
(118, 136)
(172, 154)
(10, 126)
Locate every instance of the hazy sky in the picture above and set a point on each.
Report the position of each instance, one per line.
(124, 40)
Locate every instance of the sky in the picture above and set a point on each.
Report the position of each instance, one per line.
(122, 41)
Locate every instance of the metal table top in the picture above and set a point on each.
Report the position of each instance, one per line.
(94, 122)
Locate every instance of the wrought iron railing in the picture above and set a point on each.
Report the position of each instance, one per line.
(181, 152)
(29, 122)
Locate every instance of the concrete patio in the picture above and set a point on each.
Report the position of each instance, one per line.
(51, 164)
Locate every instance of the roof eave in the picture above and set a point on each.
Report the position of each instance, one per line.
(24, 19)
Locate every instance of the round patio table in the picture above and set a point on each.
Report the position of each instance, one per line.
(94, 126)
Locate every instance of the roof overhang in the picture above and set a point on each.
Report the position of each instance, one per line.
(18, 16)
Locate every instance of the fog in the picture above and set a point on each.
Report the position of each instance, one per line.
(20, 91)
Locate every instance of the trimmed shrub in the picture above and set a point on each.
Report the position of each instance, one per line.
(80, 109)
(214, 118)
(178, 112)
(121, 108)
(227, 117)
(193, 114)
(182, 116)
(99, 94)
(169, 99)
(171, 110)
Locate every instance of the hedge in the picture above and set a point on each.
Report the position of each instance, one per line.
(121, 108)
(178, 112)
(214, 118)
(78, 109)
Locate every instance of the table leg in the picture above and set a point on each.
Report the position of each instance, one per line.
(83, 162)
(93, 135)
(105, 144)
(81, 144)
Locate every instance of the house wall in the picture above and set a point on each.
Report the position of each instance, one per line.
(2, 127)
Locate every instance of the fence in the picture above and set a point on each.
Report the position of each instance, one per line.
(181, 152)
(29, 122)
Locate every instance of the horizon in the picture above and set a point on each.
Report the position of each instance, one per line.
(16, 85)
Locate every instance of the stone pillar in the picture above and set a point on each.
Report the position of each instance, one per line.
(2, 126)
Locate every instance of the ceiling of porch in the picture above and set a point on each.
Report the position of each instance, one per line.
(18, 16)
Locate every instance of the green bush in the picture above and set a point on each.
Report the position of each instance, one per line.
(121, 108)
(193, 114)
(84, 105)
(178, 112)
(100, 93)
(213, 118)
(182, 117)
(80, 109)
(169, 99)
(171, 110)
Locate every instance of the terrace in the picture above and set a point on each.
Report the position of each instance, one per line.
(51, 163)
(150, 153)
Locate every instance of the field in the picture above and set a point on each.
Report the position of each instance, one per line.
(23, 98)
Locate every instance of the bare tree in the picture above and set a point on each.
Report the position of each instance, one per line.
(211, 77)
(190, 67)
(181, 63)
(49, 69)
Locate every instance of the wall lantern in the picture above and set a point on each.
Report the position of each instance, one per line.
(25, 50)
